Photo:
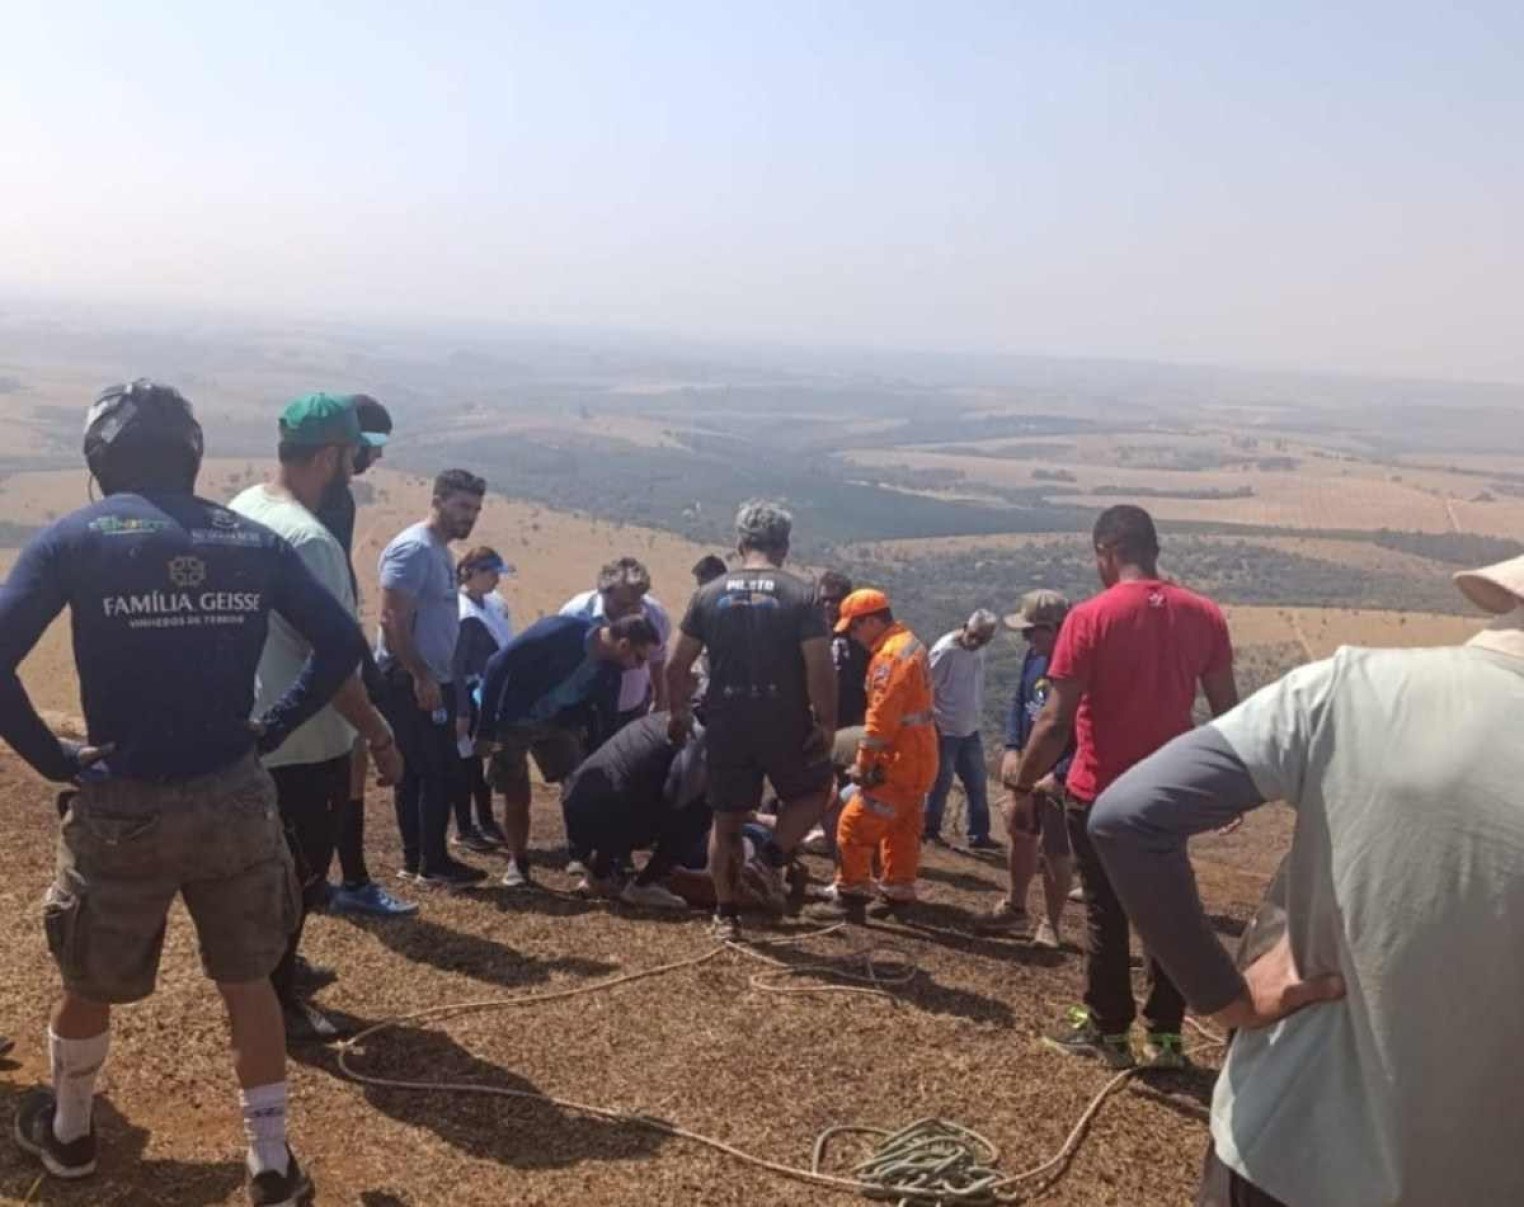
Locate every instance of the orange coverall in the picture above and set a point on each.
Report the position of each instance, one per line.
(897, 765)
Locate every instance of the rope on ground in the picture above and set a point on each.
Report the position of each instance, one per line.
(932, 1161)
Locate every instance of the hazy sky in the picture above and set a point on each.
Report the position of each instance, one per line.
(1329, 185)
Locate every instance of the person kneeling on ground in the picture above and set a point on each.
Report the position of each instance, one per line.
(896, 762)
(639, 789)
(169, 799)
(550, 692)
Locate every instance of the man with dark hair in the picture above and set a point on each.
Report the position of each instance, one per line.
(1374, 1008)
(357, 893)
(420, 621)
(553, 692)
(1124, 676)
(849, 658)
(639, 790)
(896, 762)
(707, 569)
(624, 589)
(771, 704)
(319, 437)
(170, 598)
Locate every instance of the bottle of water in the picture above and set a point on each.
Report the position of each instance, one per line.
(441, 716)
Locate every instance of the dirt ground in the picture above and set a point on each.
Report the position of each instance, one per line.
(701, 1047)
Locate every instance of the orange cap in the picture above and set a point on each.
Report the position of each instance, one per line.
(863, 602)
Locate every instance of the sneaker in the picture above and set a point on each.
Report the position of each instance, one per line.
(604, 889)
(408, 875)
(890, 907)
(516, 877)
(575, 867)
(815, 842)
(493, 833)
(1046, 936)
(1077, 893)
(933, 840)
(984, 843)
(474, 840)
(274, 1189)
(1164, 1050)
(370, 899)
(765, 884)
(843, 907)
(306, 1024)
(34, 1134)
(1006, 917)
(1079, 1036)
(312, 977)
(453, 874)
(724, 929)
(651, 896)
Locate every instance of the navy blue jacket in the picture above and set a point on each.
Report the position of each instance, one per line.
(1027, 703)
(535, 664)
(169, 598)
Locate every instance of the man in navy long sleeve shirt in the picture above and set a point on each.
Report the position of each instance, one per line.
(169, 598)
(553, 691)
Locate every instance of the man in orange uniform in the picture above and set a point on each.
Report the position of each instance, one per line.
(896, 762)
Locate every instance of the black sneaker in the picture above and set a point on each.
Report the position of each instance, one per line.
(34, 1134)
(452, 874)
(984, 843)
(272, 1189)
(306, 1024)
(474, 840)
(843, 907)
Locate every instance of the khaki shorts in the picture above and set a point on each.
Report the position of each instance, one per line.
(127, 847)
(557, 753)
(1047, 820)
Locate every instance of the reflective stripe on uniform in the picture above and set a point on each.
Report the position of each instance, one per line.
(873, 743)
(918, 718)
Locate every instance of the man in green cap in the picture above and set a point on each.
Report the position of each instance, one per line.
(320, 436)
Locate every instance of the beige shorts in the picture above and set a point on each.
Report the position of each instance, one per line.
(127, 847)
(557, 753)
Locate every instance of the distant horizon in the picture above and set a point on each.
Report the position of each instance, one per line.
(1314, 188)
(172, 317)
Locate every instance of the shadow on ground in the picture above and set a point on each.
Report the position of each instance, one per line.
(123, 1178)
(423, 942)
(524, 1133)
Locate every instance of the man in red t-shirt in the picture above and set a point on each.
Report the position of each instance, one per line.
(1124, 676)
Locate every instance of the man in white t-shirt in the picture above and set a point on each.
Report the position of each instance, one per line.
(319, 435)
(957, 679)
(624, 590)
(1377, 1021)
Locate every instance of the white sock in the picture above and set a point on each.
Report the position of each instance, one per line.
(76, 1064)
(264, 1122)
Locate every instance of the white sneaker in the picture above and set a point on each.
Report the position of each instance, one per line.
(725, 930)
(815, 842)
(1046, 936)
(576, 868)
(1077, 893)
(651, 896)
(514, 877)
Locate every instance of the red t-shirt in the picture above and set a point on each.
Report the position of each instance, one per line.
(1138, 649)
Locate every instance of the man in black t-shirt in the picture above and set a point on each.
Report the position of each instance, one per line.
(848, 656)
(637, 790)
(771, 704)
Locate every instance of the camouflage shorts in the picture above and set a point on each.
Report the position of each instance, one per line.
(127, 847)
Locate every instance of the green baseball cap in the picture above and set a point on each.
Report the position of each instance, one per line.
(316, 420)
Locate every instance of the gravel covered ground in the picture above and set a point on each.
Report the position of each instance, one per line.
(702, 1046)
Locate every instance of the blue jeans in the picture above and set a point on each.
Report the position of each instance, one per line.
(965, 757)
